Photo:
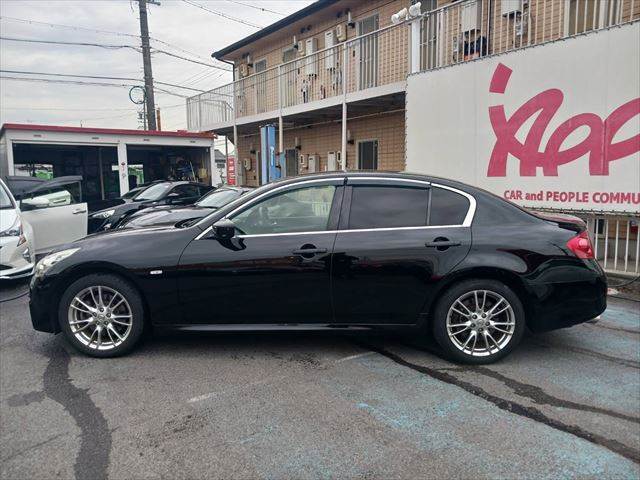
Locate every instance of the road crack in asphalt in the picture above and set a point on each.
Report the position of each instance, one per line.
(539, 396)
(510, 406)
(92, 460)
(535, 393)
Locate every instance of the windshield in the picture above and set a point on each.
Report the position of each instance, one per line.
(132, 193)
(5, 199)
(218, 198)
(154, 192)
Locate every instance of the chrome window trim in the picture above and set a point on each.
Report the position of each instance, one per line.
(466, 222)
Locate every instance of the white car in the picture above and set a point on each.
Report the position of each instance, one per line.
(17, 253)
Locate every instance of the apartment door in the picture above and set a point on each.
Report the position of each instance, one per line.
(367, 51)
(291, 162)
(261, 85)
(368, 155)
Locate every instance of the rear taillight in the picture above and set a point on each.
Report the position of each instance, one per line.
(581, 246)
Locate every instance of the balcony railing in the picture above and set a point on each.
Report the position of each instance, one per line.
(456, 33)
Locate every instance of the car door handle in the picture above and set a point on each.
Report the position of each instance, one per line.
(309, 251)
(79, 210)
(442, 244)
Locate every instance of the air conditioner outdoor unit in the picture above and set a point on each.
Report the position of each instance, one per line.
(311, 46)
(332, 164)
(312, 163)
(330, 53)
(510, 7)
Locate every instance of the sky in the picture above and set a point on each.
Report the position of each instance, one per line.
(190, 32)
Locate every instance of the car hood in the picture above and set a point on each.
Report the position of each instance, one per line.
(7, 218)
(165, 215)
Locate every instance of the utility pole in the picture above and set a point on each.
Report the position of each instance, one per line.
(146, 59)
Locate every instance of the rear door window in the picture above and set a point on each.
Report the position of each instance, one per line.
(388, 207)
(447, 207)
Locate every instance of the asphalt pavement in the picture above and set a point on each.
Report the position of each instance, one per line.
(565, 404)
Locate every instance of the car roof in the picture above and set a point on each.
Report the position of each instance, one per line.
(375, 173)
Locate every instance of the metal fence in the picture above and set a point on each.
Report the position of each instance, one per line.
(467, 30)
(370, 60)
(615, 242)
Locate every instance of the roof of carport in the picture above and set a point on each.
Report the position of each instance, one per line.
(105, 131)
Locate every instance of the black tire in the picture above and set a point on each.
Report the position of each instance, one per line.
(439, 323)
(121, 286)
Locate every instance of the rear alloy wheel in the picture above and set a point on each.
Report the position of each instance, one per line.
(101, 315)
(479, 321)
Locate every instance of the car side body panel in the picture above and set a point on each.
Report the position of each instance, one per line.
(189, 281)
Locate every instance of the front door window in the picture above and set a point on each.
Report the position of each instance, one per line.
(301, 210)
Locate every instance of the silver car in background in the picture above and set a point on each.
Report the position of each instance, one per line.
(17, 254)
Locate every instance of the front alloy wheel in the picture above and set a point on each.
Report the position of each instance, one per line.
(478, 321)
(101, 315)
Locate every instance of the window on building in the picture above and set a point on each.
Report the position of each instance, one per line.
(289, 54)
(368, 155)
(301, 210)
(388, 207)
(447, 207)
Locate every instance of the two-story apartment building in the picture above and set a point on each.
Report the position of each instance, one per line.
(331, 78)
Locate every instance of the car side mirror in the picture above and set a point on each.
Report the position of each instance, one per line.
(224, 229)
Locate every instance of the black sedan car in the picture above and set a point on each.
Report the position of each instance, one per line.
(339, 251)
(168, 214)
(160, 193)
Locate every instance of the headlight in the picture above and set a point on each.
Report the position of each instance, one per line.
(15, 230)
(104, 214)
(50, 260)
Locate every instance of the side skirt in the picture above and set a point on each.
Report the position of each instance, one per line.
(285, 327)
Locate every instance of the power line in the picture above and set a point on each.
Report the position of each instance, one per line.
(257, 8)
(79, 82)
(58, 42)
(97, 77)
(164, 52)
(110, 46)
(223, 15)
(106, 32)
(27, 107)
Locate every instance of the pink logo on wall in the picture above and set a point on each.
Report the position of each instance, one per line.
(598, 144)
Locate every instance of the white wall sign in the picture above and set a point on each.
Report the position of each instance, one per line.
(555, 126)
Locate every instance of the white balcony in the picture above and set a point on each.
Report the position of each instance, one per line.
(377, 64)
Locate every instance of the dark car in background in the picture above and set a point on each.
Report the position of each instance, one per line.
(169, 214)
(160, 193)
(343, 251)
(98, 205)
